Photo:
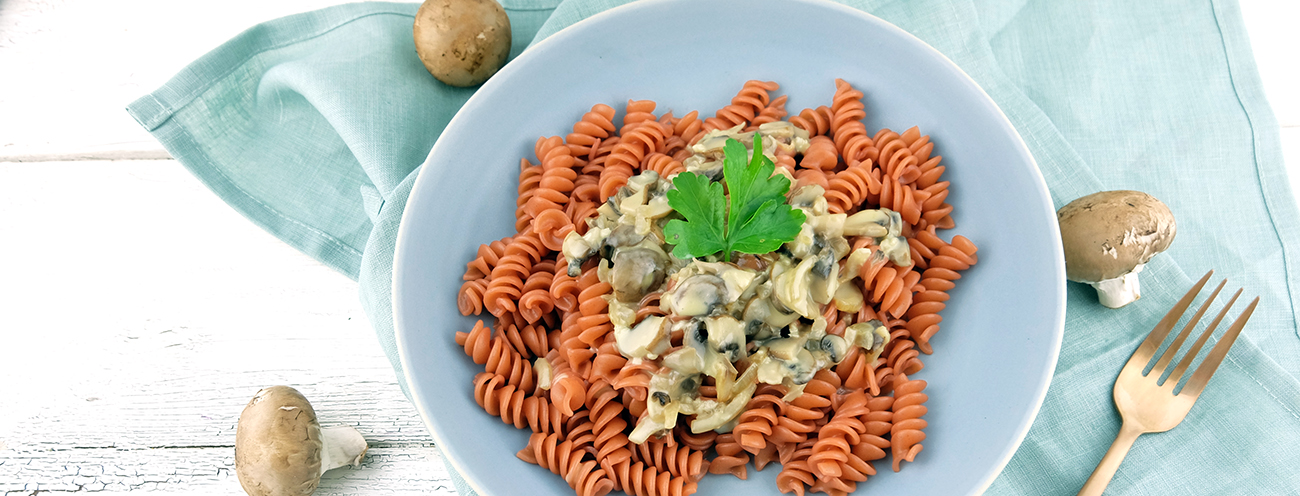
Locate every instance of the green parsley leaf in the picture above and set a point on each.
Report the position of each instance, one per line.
(750, 185)
(771, 226)
(758, 221)
(702, 203)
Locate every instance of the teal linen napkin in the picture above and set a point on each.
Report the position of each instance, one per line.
(312, 126)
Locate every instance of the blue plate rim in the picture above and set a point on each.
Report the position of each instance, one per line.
(475, 101)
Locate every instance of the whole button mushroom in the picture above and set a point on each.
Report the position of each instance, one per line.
(1109, 236)
(462, 42)
(280, 449)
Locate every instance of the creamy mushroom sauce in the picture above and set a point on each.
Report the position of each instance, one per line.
(762, 312)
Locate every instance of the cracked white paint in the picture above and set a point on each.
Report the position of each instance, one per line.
(102, 398)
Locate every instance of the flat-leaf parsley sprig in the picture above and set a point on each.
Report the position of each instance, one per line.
(754, 218)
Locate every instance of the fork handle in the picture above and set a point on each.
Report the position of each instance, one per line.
(1105, 470)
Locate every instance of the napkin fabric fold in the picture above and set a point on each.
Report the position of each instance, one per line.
(314, 126)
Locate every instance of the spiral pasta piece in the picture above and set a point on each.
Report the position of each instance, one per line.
(606, 414)
(689, 127)
(806, 177)
(638, 479)
(608, 362)
(900, 354)
(901, 198)
(909, 406)
(698, 442)
(488, 256)
(796, 475)
(889, 285)
(536, 299)
(574, 465)
(847, 129)
(586, 189)
(530, 177)
(816, 397)
(821, 154)
(469, 300)
(753, 98)
(557, 175)
(878, 422)
(502, 359)
(789, 431)
(564, 288)
(635, 379)
(528, 340)
(675, 146)
(895, 157)
(595, 125)
(638, 111)
(816, 121)
(923, 318)
(552, 195)
(850, 188)
(577, 354)
(568, 389)
(680, 461)
(513, 406)
(786, 163)
(581, 431)
(756, 423)
(662, 164)
(934, 209)
(855, 370)
(477, 342)
(641, 140)
(507, 279)
(832, 454)
(921, 148)
(594, 323)
(732, 458)
(772, 112)
(600, 156)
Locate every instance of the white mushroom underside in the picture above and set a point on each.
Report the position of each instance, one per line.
(341, 446)
(1120, 291)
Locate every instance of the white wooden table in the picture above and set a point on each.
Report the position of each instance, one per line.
(139, 313)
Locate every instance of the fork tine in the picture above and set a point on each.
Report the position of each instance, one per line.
(1148, 347)
(1202, 376)
(1177, 374)
(1182, 335)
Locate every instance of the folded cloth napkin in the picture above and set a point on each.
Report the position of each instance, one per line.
(314, 125)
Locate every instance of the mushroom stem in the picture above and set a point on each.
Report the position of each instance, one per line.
(1120, 291)
(341, 446)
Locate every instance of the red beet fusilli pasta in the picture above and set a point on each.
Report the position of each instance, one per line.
(639, 371)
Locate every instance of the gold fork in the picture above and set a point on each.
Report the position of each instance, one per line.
(1147, 406)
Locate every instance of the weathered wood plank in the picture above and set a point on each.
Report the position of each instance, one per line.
(200, 471)
(141, 315)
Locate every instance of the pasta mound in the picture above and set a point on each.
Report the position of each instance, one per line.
(640, 372)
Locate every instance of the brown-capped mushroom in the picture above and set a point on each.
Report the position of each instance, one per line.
(698, 295)
(1109, 236)
(280, 448)
(462, 42)
(635, 271)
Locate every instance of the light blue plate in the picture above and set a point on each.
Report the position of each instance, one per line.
(1002, 329)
